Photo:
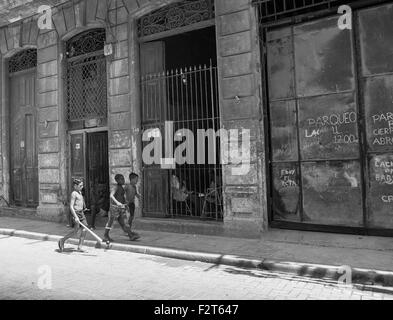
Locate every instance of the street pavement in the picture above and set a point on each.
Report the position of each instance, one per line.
(31, 269)
(372, 253)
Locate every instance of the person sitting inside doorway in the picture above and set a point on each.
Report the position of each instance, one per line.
(181, 194)
(99, 196)
(213, 197)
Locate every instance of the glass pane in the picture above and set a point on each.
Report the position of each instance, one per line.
(323, 58)
(328, 127)
(379, 112)
(376, 39)
(286, 191)
(332, 193)
(284, 132)
(381, 191)
(280, 64)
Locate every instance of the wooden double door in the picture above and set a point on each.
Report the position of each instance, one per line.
(23, 140)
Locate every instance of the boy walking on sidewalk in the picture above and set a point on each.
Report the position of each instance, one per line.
(77, 208)
(118, 209)
(131, 193)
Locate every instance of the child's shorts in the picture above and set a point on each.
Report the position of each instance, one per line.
(117, 212)
(81, 217)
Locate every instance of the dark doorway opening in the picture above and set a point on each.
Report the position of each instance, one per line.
(97, 173)
(191, 49)
(89, 162)
(180, 86)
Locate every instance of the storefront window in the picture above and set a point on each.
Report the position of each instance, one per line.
(376, 43)
(314, 124)
(323, 58)
(319, 110)
(331, 193)
(328, 127)
(381, 191)
(284, 131)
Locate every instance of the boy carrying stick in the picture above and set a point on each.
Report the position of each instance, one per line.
(77, 208)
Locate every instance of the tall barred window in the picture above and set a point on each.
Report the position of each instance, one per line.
(86, 76)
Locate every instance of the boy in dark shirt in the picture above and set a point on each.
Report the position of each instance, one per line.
(118, 209)
(131, 193)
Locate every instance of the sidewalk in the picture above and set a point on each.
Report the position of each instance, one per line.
(300, 253)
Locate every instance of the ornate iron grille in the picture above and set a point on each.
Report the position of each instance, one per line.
(23, 60)
(87, 42)
(86, 76)
(87, 92)
(175, 16)
(272, 10)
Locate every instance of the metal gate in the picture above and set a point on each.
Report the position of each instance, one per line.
(188, 99)
(331, 122)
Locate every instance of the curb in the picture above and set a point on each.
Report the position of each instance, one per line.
(374, 280)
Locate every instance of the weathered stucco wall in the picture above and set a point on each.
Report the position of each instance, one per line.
(240, 101)
(120, 158)
(50, 138)
(238, 63)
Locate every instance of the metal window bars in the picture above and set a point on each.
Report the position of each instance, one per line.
(23, 60)
(86, 88)
(273, 10)
(180, 14)
(86, 76)
(188, 98)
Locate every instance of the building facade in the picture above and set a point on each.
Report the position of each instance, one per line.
(109, 71)
(112, 82)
